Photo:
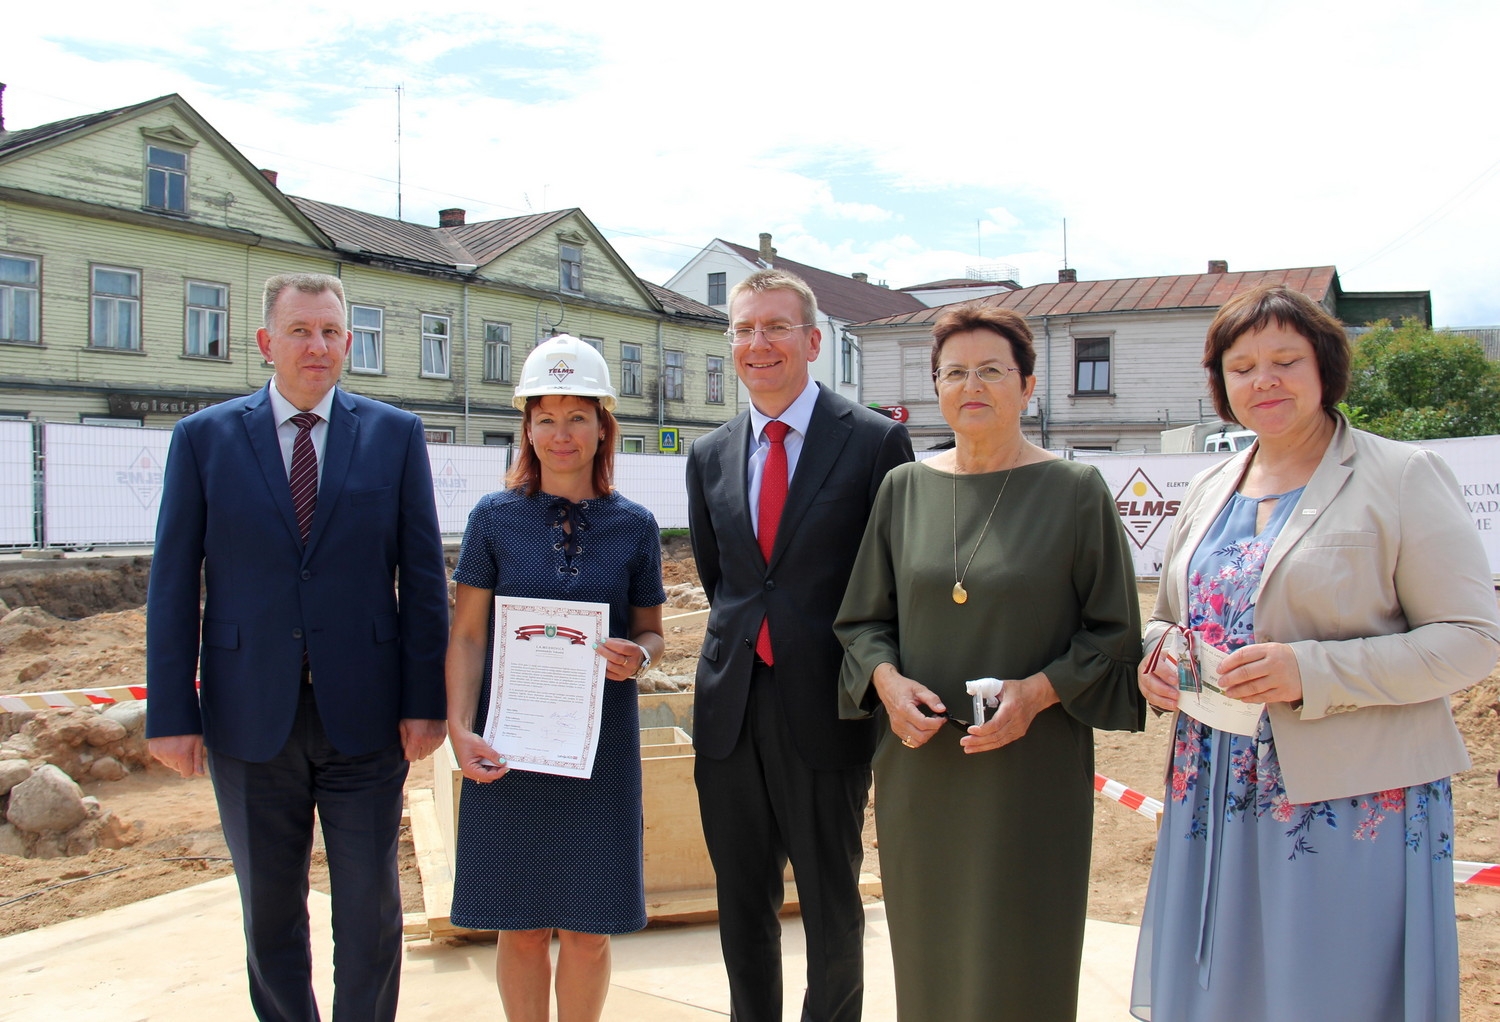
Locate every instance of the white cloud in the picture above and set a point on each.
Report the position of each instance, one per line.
(1278, 134)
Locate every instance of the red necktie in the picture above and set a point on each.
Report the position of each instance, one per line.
(773, 483)
(304, 476)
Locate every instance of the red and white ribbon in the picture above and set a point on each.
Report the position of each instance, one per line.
(79, 697)
(1484, 874)
(1147, 806)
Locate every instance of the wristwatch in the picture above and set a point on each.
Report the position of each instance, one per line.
(645, 658)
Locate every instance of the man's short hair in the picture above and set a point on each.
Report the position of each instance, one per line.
(778, 280)
(307, 283)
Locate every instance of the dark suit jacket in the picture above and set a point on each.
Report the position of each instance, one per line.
(226, 509)
(846, 453)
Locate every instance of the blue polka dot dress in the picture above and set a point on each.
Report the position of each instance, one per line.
(538, 851)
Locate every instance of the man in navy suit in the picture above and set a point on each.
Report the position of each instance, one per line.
(779, 775)
(316, 687)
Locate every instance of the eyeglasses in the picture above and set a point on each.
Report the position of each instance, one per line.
(773, 334)
(955, 376)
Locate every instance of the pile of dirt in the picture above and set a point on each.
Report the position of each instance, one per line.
(181, 843)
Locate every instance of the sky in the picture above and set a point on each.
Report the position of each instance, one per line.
(911, 146)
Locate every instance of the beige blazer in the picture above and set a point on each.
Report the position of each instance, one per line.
(1381, 587)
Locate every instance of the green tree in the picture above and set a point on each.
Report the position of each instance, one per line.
(1413, 383)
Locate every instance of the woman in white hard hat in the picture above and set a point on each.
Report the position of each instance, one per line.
(539, 853)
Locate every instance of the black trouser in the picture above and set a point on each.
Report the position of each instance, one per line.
(267, 812)
(760, 806)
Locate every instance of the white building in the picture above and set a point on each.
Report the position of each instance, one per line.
(1117, 362)
(711, 274)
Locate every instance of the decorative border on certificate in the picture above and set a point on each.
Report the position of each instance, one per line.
(547, 684)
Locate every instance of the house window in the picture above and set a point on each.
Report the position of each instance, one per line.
(166, 179)
(207, 320)
(716, 379)
(916, 374)
(499, 439)
(597, 343)
(438, 435)
(367, 324)
(1091, 361)
(716, 289)
(570, 267)
(435, 335)
(671, 376)
(19, 304)
(497, 352)
(632, 445)
(846, 360)
(116, 309)
(630, 370)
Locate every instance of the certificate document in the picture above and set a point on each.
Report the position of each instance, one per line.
(1212, 706)
(547, 684)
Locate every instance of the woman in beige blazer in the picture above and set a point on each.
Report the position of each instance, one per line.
(1304, 865)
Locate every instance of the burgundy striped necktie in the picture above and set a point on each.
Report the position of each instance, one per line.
(773, 484)
(304, 477)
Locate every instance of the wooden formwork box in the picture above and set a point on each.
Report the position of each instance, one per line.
(678, 875)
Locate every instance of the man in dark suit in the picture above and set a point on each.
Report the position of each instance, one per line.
(317, 687)
(779, 775)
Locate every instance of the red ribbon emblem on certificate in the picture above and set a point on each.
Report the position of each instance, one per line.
(527, 632)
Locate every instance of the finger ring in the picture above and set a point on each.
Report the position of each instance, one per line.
(908, 743)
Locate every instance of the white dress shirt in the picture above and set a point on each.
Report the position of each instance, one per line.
(286, 430)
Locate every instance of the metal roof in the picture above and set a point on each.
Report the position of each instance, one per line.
(840, 296)
(1137, 294)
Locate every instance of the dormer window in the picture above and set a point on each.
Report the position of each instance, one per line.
(166, 179)
(570, 267)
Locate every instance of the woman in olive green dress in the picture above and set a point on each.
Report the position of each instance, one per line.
(994, 559)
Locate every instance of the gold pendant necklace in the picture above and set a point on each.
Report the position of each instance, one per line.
(960, 594)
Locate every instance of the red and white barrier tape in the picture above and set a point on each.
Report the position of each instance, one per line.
(1147, 806)
(79, 697)
(1481, 874)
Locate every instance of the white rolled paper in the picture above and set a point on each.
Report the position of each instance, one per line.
(986, 692)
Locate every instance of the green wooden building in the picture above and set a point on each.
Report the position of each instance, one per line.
(134, 244)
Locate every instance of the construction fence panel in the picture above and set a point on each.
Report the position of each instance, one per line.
(17, 485)
(100, 484)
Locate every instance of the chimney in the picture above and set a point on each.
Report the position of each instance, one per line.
(1067, 276)
(1218, 266)
(767, 253)
(451, 217)
(863, 278)
(269, 175)
(2, 106)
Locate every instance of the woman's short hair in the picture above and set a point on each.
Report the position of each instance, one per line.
(1008, 323)
(526, 474)
(1292, 310)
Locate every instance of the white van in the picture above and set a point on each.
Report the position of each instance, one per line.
(1229, 441)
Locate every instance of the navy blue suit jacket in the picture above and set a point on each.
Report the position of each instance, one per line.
(226, 511)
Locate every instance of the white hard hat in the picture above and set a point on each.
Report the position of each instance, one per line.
(565, 365)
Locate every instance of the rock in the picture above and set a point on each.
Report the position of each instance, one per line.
(46, 802)
(103, 831)
(18, 747)
(102, 731)
(30, 617)
(131, 716)
(687, 596)
(68, 726)
(12, 841)
(4, 608)
(33, 671)
(12, 773)
(107, 768)
(50, 846)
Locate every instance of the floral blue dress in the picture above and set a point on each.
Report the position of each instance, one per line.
(1260, 908)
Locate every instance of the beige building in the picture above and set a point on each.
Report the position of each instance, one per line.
(134, 243)
(1118, 361)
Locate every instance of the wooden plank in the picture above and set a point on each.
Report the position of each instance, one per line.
(432, 861)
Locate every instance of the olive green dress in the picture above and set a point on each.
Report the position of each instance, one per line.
(985, 858)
